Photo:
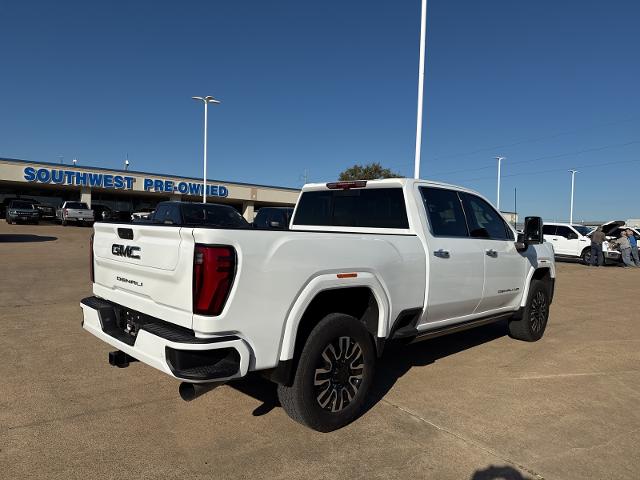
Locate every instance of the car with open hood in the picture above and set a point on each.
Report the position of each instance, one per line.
(612, 231)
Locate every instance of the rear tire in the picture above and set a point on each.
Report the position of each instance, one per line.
(63, 223)
(334, 374)
(533, 323)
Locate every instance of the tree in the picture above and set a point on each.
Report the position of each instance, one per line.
(372, 171)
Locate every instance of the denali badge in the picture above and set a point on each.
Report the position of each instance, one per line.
(125, 251)
(127, 280)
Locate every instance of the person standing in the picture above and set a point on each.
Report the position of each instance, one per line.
(634, 247)
(597, 238)
(625, 249)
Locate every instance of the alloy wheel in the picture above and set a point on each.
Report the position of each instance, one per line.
(338, 374)
(539, 311)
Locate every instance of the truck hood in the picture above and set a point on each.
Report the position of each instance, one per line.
(23, 210)
(610, 226)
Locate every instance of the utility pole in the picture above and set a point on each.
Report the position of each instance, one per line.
(573, 182)
(515, 207)
(423, 40)
(498, 194)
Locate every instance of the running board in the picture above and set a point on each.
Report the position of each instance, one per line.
(418, 336)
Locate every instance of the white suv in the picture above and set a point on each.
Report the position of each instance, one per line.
(573, 241)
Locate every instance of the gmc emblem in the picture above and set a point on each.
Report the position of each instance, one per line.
(128, 251)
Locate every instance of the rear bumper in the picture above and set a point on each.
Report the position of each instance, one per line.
(169, 348)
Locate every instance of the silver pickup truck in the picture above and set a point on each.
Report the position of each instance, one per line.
(78, 212)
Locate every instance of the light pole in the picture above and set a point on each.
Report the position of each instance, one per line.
(573, 183)
(423, 40)
(498, 194)
(206, 100)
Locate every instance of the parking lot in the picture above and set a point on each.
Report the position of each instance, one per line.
(475, 405)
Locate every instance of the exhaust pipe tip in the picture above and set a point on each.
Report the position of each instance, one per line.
(191, 391)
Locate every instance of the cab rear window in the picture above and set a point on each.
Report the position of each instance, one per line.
(77, 205)
(371, 208)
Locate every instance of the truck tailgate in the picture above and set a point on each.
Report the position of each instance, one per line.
(147, 268)
(75, 213)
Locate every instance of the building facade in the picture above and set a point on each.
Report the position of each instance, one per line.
(126, 190)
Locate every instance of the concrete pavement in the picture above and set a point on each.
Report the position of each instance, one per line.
(476, 405)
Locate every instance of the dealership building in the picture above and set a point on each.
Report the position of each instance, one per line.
(126, 190)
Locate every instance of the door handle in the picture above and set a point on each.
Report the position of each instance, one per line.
(491, 253)
(442, 253)
(554, 239)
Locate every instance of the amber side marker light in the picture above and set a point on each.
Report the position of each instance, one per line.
(347, 275)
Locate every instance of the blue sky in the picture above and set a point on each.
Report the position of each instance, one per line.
(323, 85)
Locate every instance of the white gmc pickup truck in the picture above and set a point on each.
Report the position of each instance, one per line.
(313, 307)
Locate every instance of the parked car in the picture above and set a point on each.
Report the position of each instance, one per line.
(103, 212)
(142, 214)
(100, 212)
(612, 231)
(22, 211)
(197, 214)
(313, 308)
(47, 212)
(4, 204)
(277, 218)
(574, 242)
(75, 212)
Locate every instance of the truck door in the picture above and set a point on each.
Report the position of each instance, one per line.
(504, 266)
(567, 242)
(549, 233)
(455, 262)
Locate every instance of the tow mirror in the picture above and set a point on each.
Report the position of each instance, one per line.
(533, 231)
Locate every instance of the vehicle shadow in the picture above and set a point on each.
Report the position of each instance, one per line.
(24, 238)
(504, 472)
(397, 360)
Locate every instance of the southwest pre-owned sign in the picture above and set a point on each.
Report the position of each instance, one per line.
(122, 182)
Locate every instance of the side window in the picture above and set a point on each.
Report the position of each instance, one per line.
(484, 221)
(444, 212)
(549, 230)
(566, 232)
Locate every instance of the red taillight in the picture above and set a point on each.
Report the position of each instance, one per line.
(91, 272)
(213, 272)
(65, 212)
